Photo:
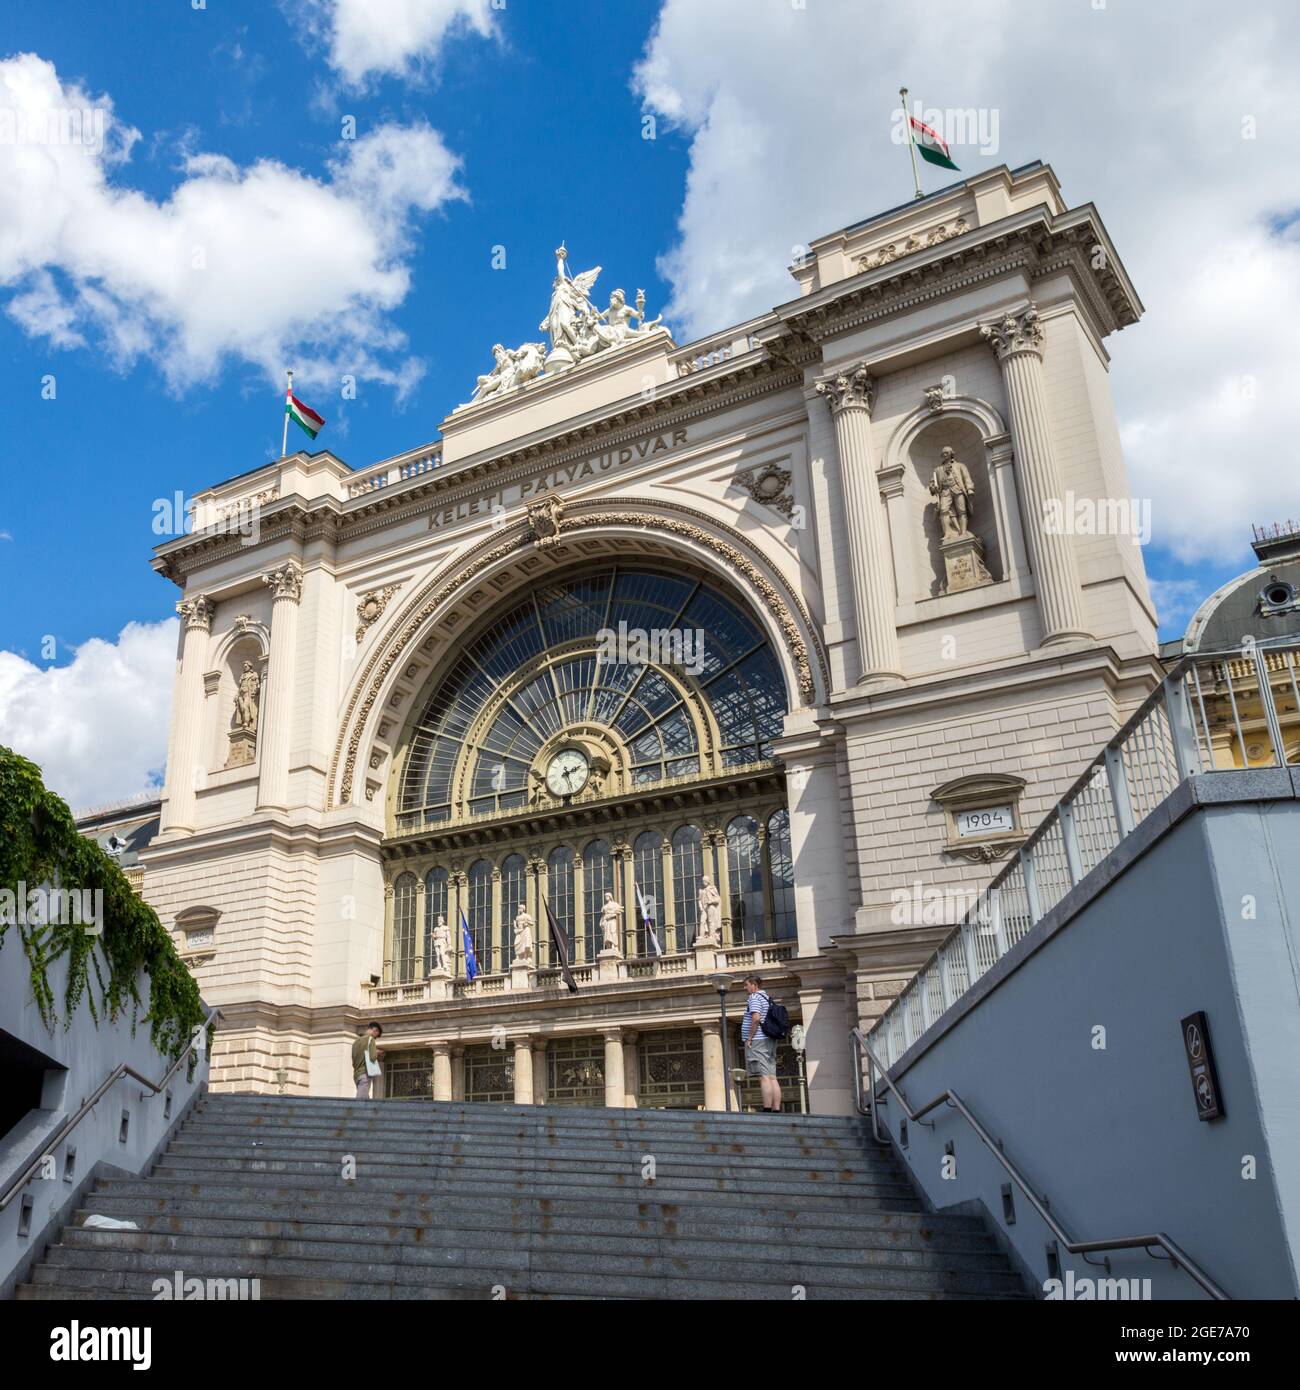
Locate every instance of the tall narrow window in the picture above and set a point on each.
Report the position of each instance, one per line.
(479, 912)
(435, 906)
(513, 880)
(781, 862)
(597, 880)
(688, 869)
(648, 869)
(746, 877)
(559, 893)
(401, 968)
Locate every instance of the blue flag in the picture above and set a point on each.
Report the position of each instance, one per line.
(467, 943)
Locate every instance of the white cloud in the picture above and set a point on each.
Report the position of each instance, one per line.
(400, 38)
(97, 727)
(261, 264)
(788, 112)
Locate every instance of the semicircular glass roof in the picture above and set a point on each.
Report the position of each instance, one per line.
(636, 688)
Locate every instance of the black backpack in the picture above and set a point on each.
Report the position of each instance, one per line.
(776, 1022)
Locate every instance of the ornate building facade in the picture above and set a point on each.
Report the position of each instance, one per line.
(659, 665)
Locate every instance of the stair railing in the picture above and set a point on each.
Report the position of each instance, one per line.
(870, 1105)
(118, 1072)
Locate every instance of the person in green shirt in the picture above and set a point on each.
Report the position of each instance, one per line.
(366, 1047)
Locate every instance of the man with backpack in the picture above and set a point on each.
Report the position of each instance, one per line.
(765, 1022)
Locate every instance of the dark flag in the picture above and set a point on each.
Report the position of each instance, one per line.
(560, 949)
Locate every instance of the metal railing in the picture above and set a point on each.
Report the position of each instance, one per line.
(1042, 1205)
(1215, 711)
(118, 1072)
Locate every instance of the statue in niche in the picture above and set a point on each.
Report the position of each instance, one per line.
(609, 923)
(442, 945)
(523, 936)
(954, 495)
(710, 914)
(245, 717)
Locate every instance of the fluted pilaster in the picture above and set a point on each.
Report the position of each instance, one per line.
(850, 394)
(185, 762)
(1017, 340)
(277, 705)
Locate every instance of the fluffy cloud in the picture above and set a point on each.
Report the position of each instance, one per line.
(261, 264)
(97, 727)
(788, 113)
(400, 38)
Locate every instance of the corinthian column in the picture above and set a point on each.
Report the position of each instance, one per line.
(185, 757)
(851, 394)
(1017, 340)
(277, 706)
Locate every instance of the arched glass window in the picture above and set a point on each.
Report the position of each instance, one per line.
(559, 893)
(514, 882)
(691, 635)
(435, 906)
(478, 910)
(781, 863)
(597, 880)
(401, 968)
(648, 870)
(688, 869)
(745, 869)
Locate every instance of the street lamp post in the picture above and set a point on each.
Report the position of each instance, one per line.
(722, 983)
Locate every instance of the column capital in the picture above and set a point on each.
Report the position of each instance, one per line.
(848, 388)
(440, 1048)
(1018, 332)
(197, 612)
(612, 1034)
(286, 580)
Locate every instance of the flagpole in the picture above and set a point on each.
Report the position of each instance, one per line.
(284, 441)
(911, 142)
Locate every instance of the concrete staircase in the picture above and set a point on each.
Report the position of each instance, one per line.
(454, 1200)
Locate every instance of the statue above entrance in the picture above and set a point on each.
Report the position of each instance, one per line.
(576, 328)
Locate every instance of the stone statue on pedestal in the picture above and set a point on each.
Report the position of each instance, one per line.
(710, 914)
(442, 945)
(609, 923)
(246, 700)
(954, 492)
(962, 550)
(523, 936)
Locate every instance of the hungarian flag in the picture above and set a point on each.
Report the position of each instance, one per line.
(933, 148)
(560, 948)
(302, 415)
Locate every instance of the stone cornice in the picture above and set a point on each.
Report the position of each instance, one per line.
(1032, 242)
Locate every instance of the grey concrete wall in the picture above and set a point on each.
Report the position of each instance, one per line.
(1103, 1122)
(87, 1053)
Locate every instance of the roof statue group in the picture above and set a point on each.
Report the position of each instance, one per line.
(577, 330)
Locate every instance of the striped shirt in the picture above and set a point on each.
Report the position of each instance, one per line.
(755, 1007)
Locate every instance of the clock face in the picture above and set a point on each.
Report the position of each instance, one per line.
(568, 772)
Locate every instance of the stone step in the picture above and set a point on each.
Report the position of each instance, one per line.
(406, 1140)
(424, 1112)
(740, 1184)
(634, 1276)
(399, 1202)
(439, 1246)
(202, 1152)
(274, 1289)
(837, 1225)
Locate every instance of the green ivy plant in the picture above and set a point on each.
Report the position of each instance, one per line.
(40, 844)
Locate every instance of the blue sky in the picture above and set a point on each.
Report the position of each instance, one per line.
(515, 124)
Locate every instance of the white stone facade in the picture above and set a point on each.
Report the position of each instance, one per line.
(784, 462)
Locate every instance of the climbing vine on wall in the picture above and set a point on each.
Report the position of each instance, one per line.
(40, 846)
